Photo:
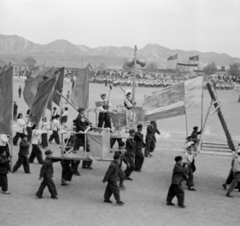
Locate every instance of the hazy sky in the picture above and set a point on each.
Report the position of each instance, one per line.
(204, 25)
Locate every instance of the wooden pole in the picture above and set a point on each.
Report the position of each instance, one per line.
(202, 103)
(186, 120)
(221, 118)
(11, 148)
(134, 76)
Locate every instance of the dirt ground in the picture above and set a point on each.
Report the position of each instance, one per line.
(81, 203)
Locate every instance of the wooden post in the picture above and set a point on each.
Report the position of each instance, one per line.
(134, 76)
(221, 118)
(11, 148)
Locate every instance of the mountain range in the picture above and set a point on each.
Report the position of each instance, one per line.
(64, 51)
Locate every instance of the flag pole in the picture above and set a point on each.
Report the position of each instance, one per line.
(12, 115)
(202, 102)
(186, 120)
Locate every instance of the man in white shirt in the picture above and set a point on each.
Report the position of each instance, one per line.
(103, 116)
(36, 151)
(45, 128)
(64, 116)
(55, 128)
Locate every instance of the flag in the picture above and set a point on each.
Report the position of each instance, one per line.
(44, 92)
(31, 85)
(118, 119)
(80, 92)
(59, 86)
(194, 58)
(6, 100)
(171, 101)
(173, 57)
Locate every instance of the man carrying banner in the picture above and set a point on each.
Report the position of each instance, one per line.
(103, 116)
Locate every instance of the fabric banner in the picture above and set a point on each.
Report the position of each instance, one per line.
(174, 57)
(80, 91)
(31, 85)
(99, 142)
(171, 101)
(6, 100)
(44, 92)
(119, 120)
(187, 65)
(59, 86)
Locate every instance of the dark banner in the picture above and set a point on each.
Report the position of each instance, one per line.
(188, 65)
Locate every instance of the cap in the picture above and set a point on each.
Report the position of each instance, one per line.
(195, 128)
(178, 158)
(80, 109)
(102, 94)
(139, 126)
(116, 155)
(132, 131)
(48, 152)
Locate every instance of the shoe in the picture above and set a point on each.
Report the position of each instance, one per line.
(84, 167)
(26, 172)
(170, 204)
(108, 201)
(40, 197)
(90, 168)
(224, 186)
(54, 197)
(14, 144)
(228, 195)
(192, 189)
(182, 206)
(129, 178)
(6, 192)
(64, 184)
(77, 173)
(30, 162)
(120, 202)
(138, 170)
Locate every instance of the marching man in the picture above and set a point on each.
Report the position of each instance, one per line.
(103, 116)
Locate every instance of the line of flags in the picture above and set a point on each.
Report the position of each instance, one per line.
(193, 58)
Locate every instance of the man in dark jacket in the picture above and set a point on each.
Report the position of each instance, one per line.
(139, 157)
(23, 156)
(15, 110)
(46, 174)
(111, 177)
(154, 140)
(149, 139)
(4, 169)
(130, 154)
(179, 173)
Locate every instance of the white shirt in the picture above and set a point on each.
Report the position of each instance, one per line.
(36, 136)
(55, 125)
(101, 109)
(20, 125)
(128, 103)
(45, 127)
(189, 157)
(65, 113)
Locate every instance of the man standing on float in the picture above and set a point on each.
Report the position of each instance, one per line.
(103, 116)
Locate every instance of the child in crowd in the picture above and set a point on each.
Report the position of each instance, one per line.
(4, 169)
(139, 157)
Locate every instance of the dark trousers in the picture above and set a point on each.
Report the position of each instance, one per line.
(75, 164)
(79, 141)
(36, 152)
(104, 117)
(67, 172)
(29, 133)
(139, 159)
(113, 140)
(236, 178)
(112, 188)
(47, 181)
(19, 94)
(17, 136)
(87, 163)
(22, 160)
(190, 182)
(4, 182)
(130, 158)
(121, 176)
(176, 190)
(149, 146)
(55, 136)
(44, 142)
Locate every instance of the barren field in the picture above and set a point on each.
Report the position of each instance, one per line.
(81, 203)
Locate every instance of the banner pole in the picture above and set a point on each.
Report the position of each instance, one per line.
(11, 148)
(186, 119)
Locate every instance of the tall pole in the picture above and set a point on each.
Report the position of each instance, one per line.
(12, 112)
(134, 76)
